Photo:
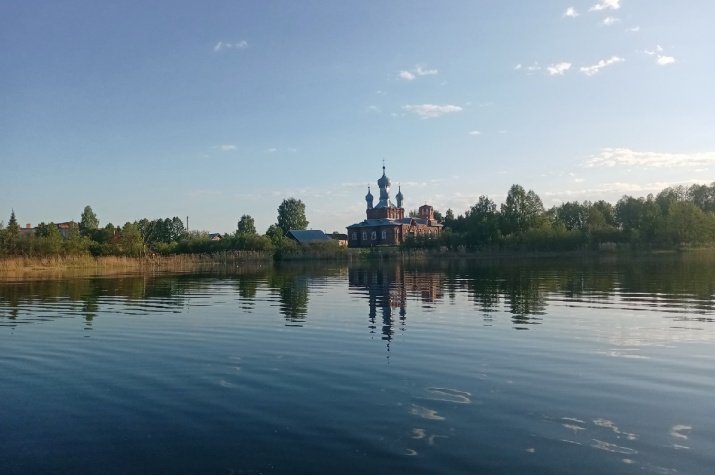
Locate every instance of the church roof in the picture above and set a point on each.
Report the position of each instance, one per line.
(393, 222)
(308, 235)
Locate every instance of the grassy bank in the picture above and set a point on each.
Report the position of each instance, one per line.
(10, 266)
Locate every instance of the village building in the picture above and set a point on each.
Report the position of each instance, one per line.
(309, 235)
(386, 223)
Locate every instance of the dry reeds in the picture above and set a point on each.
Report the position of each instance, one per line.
(114, 264)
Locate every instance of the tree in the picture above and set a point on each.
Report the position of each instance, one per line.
(703, 196)
(602, 215)
(130, 242)
(572, 214)
(628, 212)
(688, 224)
(291, 215)
(523, 210)
(11, 234)
(413, 214)
(88, 222)
(482, 222)
(246, 225)
(177, 230)
(437, 216)
(449, 215)
(49, 239)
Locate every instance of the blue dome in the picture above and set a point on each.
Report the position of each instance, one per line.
(384, 182)
(368, 197)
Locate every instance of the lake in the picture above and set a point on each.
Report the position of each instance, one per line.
(456, 366)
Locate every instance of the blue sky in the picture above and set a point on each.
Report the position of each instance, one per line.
(216, 109)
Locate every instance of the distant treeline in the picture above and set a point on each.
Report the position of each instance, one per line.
(166, 236)
(675, 217)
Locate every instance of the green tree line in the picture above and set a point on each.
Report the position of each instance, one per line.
(675, 217)
(145, 236)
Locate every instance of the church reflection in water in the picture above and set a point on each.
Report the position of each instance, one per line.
(387, 290)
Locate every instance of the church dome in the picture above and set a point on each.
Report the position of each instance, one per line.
(399, 194)
(384, 182)
(368, 198)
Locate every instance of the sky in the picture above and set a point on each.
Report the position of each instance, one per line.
(213, 110)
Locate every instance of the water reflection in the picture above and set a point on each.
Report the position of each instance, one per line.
(680, 287)
(387, 289)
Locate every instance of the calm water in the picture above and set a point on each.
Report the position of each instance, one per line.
(452, 367)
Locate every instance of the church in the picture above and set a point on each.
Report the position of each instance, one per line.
(386, 223)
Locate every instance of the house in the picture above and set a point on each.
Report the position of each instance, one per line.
(26, 231)
(64, 228)
(386, 223)
(215, 236)
(341, 238)
(307, 236)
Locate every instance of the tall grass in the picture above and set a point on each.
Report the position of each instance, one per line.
(182, 262)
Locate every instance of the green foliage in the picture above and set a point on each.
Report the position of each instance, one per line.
(246, 225)
(688, 224)
(291, 215)
(88, 221)
(12, 223)
(158, 231)
(521, 211)
(573, 215)
(48, 240)
(131, 243)
(628, 212)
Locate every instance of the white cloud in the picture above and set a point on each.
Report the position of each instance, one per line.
(530, 69)
(663, 60)
(373, 109)
(221, 45)
(517, 67)
(635, 29)
(591, 70)
(624, 157)
(571, 12)
(418, 70)
(606, 5)
(608, 21)
(427, 111)
(558, 69)
(226, 148)
(272, 150)
(475, 132)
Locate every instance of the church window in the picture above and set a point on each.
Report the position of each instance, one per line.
(384, 234)
(373, 235)
(364, 235)
(354, 236)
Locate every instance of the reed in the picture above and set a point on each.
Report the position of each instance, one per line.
(179, 262)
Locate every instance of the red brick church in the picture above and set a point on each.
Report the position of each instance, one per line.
(386, 223)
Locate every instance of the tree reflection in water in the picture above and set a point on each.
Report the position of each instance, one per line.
(521, 288)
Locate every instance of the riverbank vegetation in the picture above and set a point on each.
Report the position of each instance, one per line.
(676, 218)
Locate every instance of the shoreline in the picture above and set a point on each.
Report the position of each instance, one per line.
(13, 267)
